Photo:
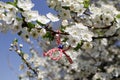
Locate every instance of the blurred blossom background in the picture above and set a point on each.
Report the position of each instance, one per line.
(10, 61)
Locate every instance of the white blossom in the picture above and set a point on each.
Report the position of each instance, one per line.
(64, 23)
(107, 19)
(25, 56)
(18, 51)
(52, 3)
(87, 45)
(52, 17)
(25, 4)
(65, 14)
(30, 15)
(34, 33)
(43, 19)
(21, 45)
(9, 17)
(66, 3)
(104, 41)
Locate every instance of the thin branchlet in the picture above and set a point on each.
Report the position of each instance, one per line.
(27, 64)
(104, 36)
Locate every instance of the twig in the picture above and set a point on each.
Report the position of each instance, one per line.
(104, 36)
(27, 64)
(55, 32)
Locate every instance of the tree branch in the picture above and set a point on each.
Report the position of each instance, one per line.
(27, 64)
(104, 36)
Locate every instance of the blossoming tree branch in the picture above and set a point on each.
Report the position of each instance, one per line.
(84, 46)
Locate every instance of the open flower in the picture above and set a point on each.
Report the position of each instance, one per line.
(52, 17)
(25, 4)
(43, 19)
(30, 15)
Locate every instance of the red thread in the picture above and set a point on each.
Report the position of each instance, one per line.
(58, 37)
(60, 50)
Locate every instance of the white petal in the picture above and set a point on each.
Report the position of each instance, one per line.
(52, 17)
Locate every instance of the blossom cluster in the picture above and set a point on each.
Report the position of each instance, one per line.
(91, 29)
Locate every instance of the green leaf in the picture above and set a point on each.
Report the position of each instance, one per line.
(19, 33)
(78, 46)
(19, 19)
(15, 1)
(30, 25)
(15, 41)
(11, 3)
(62, 28)
(86, 3)
(65, 39)
(49, 36)
(118, 16)
(66, 8)
(22, 53)
(40, 23)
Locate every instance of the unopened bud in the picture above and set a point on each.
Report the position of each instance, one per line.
(18, 51)
(21, 45)
(11, 45)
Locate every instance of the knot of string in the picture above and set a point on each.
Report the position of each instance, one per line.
(58, 49)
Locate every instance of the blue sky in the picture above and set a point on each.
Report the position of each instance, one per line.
(7, 58)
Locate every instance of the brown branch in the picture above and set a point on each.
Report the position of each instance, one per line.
(55, 32)
(104, 36)
(106, 27)
(91, 57)
(27, 64)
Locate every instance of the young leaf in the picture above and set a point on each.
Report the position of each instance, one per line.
(40, 23)
(11, 3)
(49, 36)
(86, 3)
(78, 46)
(118, 16)
(30, 25)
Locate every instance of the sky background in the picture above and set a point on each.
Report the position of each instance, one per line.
(10, 61)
